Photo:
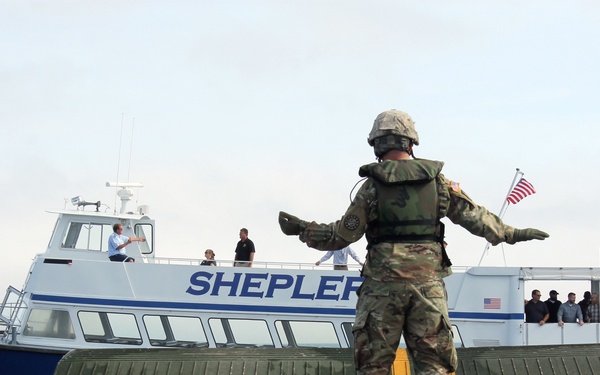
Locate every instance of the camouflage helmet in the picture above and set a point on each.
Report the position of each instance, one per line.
(393, 122)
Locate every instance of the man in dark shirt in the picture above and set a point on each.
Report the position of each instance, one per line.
(535, 310)
(244, 251)
(584, 303)
(553, 305)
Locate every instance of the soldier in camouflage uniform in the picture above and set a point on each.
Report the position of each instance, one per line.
(399, 208)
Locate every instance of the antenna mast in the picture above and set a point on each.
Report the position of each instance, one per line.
(130, 148)
(119, 162)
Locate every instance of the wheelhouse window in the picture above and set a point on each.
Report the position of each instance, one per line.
(307, 334)
(240, 333)
(175, 331)
(111, 328)
(146, 231)
(49, 323)
(87, 236)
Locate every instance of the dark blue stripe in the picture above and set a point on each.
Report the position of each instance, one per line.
(248, 308)
(486, 315)
(194, 306)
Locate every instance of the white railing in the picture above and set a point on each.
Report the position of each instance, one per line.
(553, 334)
(255, 264)
(11, 306)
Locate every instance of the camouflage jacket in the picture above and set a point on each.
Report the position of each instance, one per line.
(408, 261)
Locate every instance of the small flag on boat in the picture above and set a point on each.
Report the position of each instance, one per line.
(522, 189)
(492, 303)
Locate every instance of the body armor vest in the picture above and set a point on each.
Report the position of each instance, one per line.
(409, 203)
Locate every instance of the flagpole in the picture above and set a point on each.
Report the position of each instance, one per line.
(512, 186)
(501, 214)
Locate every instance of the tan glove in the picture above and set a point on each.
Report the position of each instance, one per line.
(528, 234)
(290, 224)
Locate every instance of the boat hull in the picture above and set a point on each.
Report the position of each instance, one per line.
(28, 361)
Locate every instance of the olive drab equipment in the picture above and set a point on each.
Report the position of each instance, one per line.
(410, 203)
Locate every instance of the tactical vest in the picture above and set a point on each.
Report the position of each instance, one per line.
(410, 204)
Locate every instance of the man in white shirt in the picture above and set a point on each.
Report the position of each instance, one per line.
(340, 258)
(117, 243)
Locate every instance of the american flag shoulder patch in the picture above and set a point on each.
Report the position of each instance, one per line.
(455, 186)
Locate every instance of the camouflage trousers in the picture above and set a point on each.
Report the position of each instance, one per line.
(385, 310)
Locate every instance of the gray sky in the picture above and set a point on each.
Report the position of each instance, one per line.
(245, 108)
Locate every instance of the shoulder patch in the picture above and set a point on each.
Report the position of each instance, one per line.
(351, 222)
(455, 186)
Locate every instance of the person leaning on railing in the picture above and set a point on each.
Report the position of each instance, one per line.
(593, 313)
(570, 312)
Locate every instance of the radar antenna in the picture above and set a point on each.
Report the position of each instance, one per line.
(124, 193)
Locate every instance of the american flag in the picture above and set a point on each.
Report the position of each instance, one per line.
(492, 303)
(522, 189)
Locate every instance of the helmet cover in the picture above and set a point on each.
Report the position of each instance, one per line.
(393, 122)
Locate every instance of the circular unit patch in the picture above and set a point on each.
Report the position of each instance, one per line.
(351, 222)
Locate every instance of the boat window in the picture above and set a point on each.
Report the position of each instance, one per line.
(146, 231)
(347, 328)
(175, 331)
(458, 343)
(307, 334)
(49, 323)
(240, 333)
(109, 328)
(87, 236)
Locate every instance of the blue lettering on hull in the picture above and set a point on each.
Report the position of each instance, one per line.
(272, 285)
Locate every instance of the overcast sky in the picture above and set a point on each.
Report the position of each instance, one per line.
(240, 109)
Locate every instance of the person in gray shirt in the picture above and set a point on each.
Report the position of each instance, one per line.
(570, 312)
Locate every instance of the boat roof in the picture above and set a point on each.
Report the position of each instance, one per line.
(539, 273)
(130, 216)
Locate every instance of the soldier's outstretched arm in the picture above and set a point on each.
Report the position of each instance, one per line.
(481, 222)
(318, 236)
(290, 224)
(527, 234)
(336, 235)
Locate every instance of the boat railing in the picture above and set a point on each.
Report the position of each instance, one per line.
(255, 264)
(11, 312)
(569, 333)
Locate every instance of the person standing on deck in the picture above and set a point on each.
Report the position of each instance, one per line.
(585, 302)
(244, 251)
(536, 311)
(593, 313)
(340, 258)
(570, 312)
(553, 305)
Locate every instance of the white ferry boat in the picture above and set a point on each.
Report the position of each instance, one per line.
(74, 297)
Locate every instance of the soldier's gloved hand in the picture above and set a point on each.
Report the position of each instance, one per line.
(529, 234)
(290, 224)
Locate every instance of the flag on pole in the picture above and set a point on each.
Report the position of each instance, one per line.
(522, 189)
